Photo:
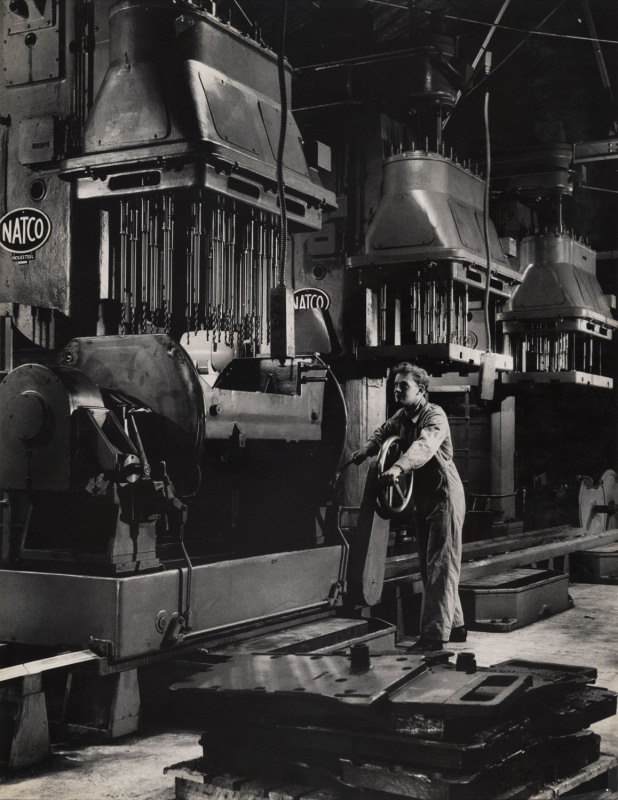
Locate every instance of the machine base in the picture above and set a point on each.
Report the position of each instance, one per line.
(513, 599)
(596, 566)
(129, 617)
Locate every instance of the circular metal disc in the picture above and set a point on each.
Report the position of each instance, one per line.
(36, 404)
(609, 482)
(591, 495)
(156, 372)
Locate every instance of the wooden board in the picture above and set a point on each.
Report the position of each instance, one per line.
(193, 782)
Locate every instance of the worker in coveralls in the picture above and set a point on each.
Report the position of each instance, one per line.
(439, 501)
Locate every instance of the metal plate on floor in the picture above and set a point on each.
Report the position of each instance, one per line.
(325, 676)
(549, 671)
(444, 692)
(404, 683)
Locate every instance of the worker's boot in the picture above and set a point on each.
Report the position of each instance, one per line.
(458, 634)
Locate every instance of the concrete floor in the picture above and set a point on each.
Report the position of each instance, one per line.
(132, 768)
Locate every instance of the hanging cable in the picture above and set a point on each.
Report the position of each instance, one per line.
(510, 28)
(486, 222)
(513, 51)
(282, 330)
(242, 11)
(481, 52)
(535, 32)
(283, 220)
(598, 189)
(337, 386)
(5, 122)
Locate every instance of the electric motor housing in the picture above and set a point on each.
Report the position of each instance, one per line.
(37, 406)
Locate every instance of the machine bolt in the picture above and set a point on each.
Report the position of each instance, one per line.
(130, 468)
(360, 657)
(162, 621)
(466, 662)
(215, 410)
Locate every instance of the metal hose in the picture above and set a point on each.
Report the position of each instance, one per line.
(283, 222)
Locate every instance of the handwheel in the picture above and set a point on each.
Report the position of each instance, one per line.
(393, 499)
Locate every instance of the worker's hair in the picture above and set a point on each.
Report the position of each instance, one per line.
(420, 375)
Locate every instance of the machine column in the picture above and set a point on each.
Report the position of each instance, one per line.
(366, 402)
(6, 365)
(502, 480)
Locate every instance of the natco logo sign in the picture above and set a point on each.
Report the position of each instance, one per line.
(23, 231)
(310, 299)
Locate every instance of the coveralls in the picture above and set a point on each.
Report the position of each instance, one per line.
(440, 507)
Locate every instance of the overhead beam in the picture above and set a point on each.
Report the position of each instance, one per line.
(601, 150)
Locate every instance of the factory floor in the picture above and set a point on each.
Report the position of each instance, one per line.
(132, 768)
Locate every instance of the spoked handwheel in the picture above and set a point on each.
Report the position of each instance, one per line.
(393, 499)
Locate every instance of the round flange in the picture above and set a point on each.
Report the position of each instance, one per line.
(609, 482)
(591, 495)
(30, 417)
(162, 621)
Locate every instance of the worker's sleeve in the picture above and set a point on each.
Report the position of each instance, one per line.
(379, 436)
(432, 434)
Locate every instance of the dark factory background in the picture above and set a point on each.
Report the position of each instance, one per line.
(222, 224)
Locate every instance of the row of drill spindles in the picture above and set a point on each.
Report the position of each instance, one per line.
(557, 352)
(145, 259)
(433, 312)
(230, 261)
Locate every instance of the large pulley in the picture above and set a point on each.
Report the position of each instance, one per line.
(396, 498)
(158, 374)
(598, 503)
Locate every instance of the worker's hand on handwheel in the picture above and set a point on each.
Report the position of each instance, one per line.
(358, 456)
(391, 476)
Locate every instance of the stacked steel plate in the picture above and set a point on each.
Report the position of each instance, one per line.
(387, 726)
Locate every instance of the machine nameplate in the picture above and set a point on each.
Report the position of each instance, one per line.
(24, 230)
(310, 299)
